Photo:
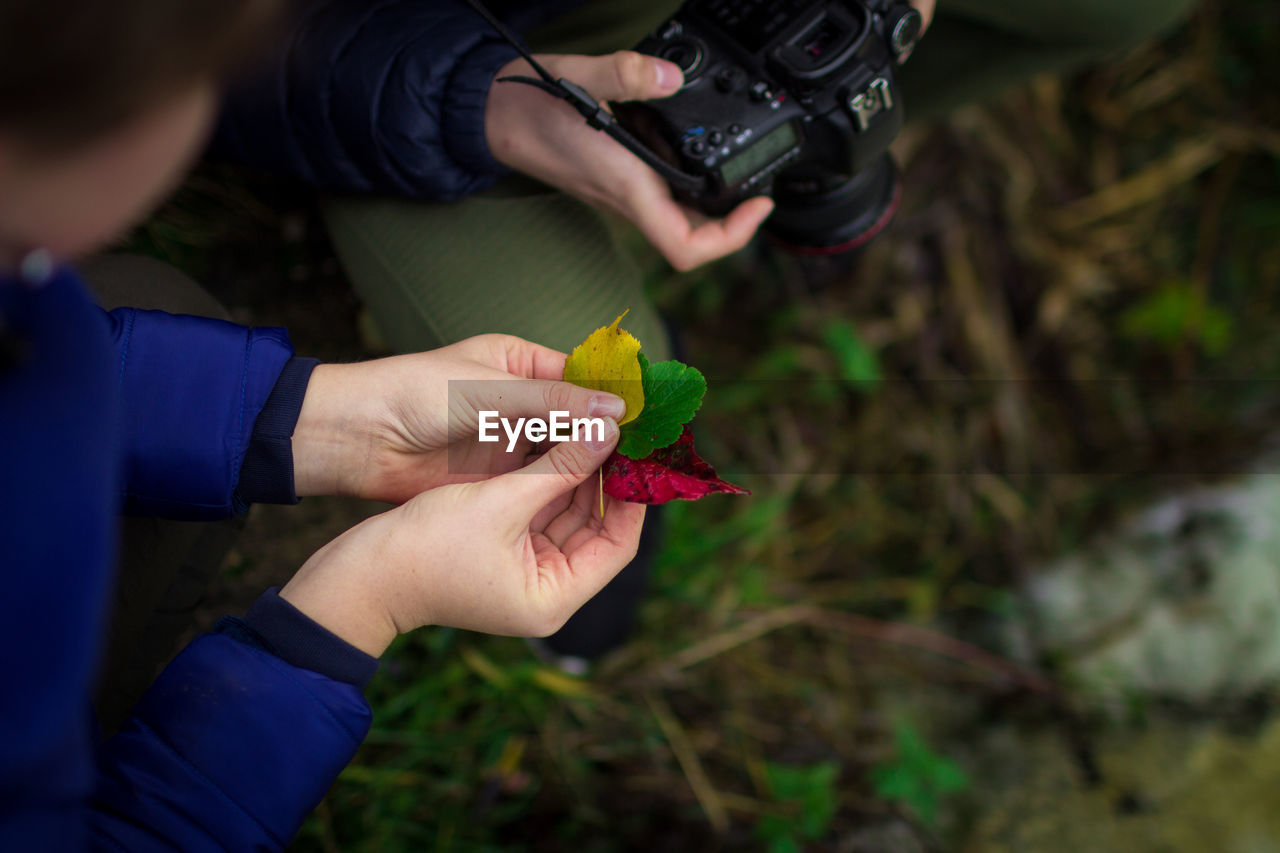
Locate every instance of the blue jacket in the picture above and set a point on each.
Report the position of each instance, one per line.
(379, 95)
(241, 735)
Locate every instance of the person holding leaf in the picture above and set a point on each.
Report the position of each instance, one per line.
(101, 108)
(463, 204)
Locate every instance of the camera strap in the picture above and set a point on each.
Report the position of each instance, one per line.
(597, 116)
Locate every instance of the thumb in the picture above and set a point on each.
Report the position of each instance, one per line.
(527, 398)
(558, 471)
(622, 76)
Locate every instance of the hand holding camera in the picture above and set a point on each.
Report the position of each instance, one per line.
(794, 99)
(546, 139)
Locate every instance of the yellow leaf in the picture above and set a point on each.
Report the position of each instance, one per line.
(561, 684)
(485, 668)
(607, 361)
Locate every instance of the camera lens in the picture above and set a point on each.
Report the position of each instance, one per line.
(819, 213)
(684, 52)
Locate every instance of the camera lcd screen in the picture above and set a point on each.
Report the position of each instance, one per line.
(775, 144)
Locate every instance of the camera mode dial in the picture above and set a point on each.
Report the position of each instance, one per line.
(686, 52)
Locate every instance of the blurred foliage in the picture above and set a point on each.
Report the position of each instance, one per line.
(808, 793)
(917, 776)
(1094, 293)
(856, 362)
(1177, 313)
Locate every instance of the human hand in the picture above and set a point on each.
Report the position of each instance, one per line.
(390, 428)
(515, 555)
(925, 8)
(547, 139)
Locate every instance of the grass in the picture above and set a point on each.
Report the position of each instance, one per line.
(1109, 239)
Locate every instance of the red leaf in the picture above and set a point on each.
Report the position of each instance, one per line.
(664, 475)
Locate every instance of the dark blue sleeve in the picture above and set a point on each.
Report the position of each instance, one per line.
(232, 746)
(266, 475)
(377, 95)
(190, 391)
(230, 749)
(57, 534)
(274, 625)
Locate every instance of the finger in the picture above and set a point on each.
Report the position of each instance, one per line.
(621, 528)
(530, 360)
(581, 519)
(667, 226)
(591, 558)
(514, 355)
(538, 398)
(575, 514)
(622, 76)
(544, 517)
(554, 473)
(925, 8)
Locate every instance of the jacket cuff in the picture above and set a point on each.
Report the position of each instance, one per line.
(267, 473)
(190, 389)
(464, 105)
(276, 626)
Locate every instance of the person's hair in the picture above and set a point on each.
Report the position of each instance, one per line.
(71, 70)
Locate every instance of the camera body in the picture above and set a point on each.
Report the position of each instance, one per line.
(792, 98)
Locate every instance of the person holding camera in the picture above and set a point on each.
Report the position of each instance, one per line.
(454, 182)
(101, 108)
(463, 201)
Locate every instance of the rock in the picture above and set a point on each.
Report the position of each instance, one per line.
(1182, 603)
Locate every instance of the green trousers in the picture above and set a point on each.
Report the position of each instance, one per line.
(526, 260)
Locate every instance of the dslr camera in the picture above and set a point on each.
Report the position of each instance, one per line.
(791, 98)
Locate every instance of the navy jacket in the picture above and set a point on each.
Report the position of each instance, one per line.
(241, 735)
(379, 95)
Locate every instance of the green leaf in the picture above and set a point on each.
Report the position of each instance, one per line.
(917, 776)
(809, 792)
(1178, 312)
(859, 366)
(672, 394)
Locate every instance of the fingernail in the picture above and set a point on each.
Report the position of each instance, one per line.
(606, 406)
(610, 430)
(670, 77)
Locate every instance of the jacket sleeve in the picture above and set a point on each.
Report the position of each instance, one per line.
(190, 391)
(377, 95)
(230, 749)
